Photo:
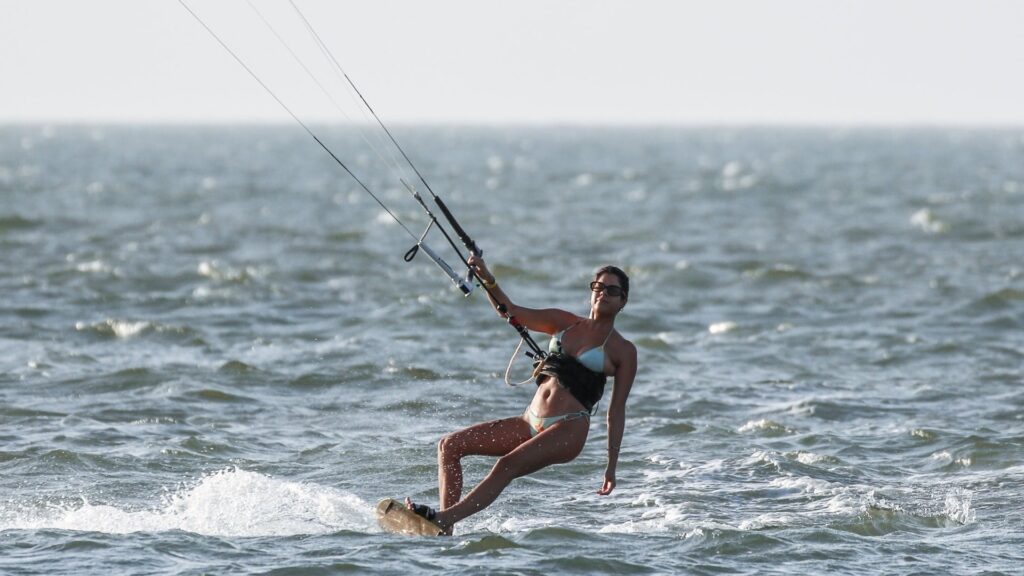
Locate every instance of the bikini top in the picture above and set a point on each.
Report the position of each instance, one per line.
(592, 358)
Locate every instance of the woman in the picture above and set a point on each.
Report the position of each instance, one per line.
(553, 430)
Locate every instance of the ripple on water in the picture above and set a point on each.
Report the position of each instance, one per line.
(777, 273)
(314, 381)
(68, 461)
(15, 413)
(673, 429)
(1001, 299)
(198, 446)
(137, 379)
(980, 453)
(587, 564)
(17, 223)
(237, 367)
(113, 329)
(414, 373)
(488, 544)
(880, 521)
(215, 395)
(924, 434)
(844, 410)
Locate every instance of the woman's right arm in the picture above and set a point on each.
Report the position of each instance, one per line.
(548, 320)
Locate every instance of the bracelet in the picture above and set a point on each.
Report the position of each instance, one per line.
(490, 284)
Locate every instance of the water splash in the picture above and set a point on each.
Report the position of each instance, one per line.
(958, 506)
(228, 503)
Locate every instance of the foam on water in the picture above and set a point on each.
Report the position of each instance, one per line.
(229, 503)
(94, 267)
(721, 327)
(804, 484)
(118, 328)
(221, 272)
(928, 222)
(812, 459)
(764, 426)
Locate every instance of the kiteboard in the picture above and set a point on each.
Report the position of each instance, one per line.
(394, 517)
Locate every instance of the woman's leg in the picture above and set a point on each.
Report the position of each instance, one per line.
(560, 443)
(496, 438)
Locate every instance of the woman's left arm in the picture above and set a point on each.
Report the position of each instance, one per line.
(625, 373)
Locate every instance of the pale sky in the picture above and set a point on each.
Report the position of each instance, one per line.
(844, 62)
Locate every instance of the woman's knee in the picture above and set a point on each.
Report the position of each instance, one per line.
(449, 447)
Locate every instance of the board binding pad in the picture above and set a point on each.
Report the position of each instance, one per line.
(394, 517)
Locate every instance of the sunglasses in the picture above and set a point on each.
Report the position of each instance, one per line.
(613, 291)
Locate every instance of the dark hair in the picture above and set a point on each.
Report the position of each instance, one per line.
(623, 278)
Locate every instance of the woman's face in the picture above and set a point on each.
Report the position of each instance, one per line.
(601, 297)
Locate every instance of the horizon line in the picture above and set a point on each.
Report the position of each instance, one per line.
(667, 124)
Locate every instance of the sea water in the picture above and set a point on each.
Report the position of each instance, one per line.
(214, 359)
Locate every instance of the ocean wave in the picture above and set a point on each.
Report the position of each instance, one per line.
(1003, 298)
(115, 328)
(487, 544)
(812, 459)
(879, 516)
(128, 329)
(805, 485)
(839, 409)
(237, 367)
(765, 427)
(976, 452)
(673, 429)
(18, 223)
(215, 395)
(772, 520)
